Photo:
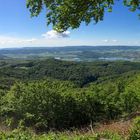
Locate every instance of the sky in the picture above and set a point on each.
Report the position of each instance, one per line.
(18, 29)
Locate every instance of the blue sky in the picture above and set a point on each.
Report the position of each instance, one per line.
(18, 29)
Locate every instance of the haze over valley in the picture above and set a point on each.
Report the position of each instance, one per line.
(75, 53)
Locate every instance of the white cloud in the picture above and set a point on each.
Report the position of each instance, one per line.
(13, 41)
(55, 35)
(8, 41)
(106, 40)
(110, 41)
(114, 40)
(53, 39)
(27, 40)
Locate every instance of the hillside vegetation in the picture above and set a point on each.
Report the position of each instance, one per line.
(48, 95)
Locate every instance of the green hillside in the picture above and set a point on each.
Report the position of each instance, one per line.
(59, 95)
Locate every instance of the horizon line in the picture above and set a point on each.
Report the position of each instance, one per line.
(70, 46)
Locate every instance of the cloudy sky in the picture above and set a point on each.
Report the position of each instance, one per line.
(17, 29)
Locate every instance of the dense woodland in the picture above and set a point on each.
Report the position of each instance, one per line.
(58, 95)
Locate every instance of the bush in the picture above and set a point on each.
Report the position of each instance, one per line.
(18, 134)
(50, 104)
(110, 136)
(135, 132)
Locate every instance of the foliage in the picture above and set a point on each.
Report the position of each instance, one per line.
(63, 14)
(81, 73)
(48, 104)
(135, 132)
(27, 135)
(59, 95)
(110, 135)
(17, 135)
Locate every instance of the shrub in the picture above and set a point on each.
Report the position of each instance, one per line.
(135, 132)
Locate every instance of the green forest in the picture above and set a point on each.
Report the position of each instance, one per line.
(40, 97)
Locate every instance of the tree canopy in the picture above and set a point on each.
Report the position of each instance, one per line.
(64, 14)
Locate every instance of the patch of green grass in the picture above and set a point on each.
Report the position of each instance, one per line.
(27, 135)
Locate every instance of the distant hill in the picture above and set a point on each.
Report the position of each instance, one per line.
(76, 53)
(28, 50)
(3, 56)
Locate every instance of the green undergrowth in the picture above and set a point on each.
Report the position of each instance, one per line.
(27, 135)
